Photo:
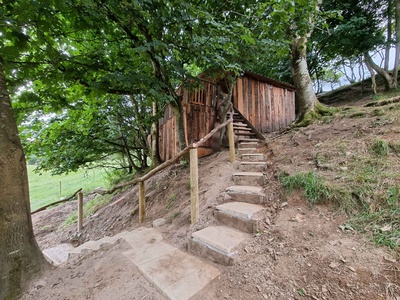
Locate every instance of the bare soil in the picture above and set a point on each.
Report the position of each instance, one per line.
(300, 253)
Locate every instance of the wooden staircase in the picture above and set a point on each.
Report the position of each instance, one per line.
(239, 218)
(245, 131)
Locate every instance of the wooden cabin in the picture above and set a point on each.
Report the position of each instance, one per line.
(267, 104)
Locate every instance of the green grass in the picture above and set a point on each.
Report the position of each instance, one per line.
(45, 188)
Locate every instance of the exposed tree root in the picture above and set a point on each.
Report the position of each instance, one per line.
(383, 102)
(316, 113)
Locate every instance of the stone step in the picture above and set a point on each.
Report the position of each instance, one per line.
(248, 144)
(240, 215)
(249, 194)
(240, 124)
(247, 150)
(249, 140)
(253, 166)
(58, 255)
(217, 243)
(253, 157)
(249, 178)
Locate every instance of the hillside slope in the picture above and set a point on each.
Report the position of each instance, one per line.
(349, 165)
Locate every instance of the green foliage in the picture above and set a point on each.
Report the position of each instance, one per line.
(89, 208)
(317, 190)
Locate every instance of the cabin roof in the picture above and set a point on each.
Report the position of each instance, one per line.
(274, 82)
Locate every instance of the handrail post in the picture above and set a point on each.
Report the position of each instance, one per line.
(194, 186)
(231, 139)
(80, 211)
(142, 202)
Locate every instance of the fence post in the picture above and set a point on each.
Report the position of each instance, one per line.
(80, 211)
(142, 202)
(194, 186)
(231, 138)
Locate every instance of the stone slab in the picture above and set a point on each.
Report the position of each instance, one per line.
(253, 157)
(243, 193)
(252, 166)
(249, 178)
(240, 209)
(144, 253)
(247, 150)
(58, 255)
(220, 238)
(176, 274)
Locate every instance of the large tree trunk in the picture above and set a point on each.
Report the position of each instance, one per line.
(154, 147)
(389, 34)
(20, 256)
(305, 95)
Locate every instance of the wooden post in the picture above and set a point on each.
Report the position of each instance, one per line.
(194, 186)
(142, 202)
(80, 211)
(231, 138)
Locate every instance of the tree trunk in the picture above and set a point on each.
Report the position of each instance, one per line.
(390, 81)
(389, 34)
(20, 256)
(154, 147)
(305, 94)
(397, 55)
(180, 128)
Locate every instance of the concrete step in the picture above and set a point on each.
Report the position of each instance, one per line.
(217, 243)
(249, 194)
(249, 178)
(248, 144)
(247, 150)
(253, 157)
(240, 215)
(253, 166)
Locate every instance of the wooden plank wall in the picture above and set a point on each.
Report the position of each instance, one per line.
(199, 119)
(267, 107)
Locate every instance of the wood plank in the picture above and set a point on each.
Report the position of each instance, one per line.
(257, 106)
(249, 100)
(245, 97)
(268, 106)
(262, 108)
(240, 95)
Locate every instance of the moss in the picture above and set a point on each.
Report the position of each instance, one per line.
(316, 113)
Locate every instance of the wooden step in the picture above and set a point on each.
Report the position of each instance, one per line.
(253, 166)
(242, 128)
(249, 178)
(253, 157)
(240, 215)
(249, 194)
(245, 133)
(217, 243)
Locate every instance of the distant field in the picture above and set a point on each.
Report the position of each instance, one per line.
(45, 188)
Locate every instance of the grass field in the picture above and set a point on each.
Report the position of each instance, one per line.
(45, 188)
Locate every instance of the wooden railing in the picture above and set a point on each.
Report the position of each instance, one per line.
(194, 187)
